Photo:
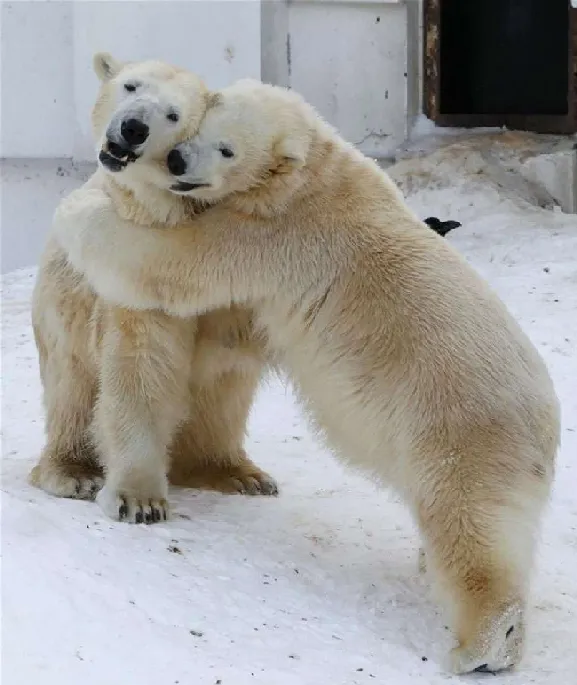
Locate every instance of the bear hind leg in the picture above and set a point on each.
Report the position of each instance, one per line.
(208, 452)
(68, 465)
(479, 536)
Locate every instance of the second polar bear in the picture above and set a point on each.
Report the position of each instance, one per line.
(153, 386)
(404, 357)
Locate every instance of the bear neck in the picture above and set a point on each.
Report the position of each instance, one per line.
(289, 184)
(149, 205)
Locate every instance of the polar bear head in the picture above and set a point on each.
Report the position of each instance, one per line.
(253, 134)
(142, 110)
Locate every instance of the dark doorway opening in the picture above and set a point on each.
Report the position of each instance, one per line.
(501, 62)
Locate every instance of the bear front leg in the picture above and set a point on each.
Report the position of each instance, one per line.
(68, 465)
(145, 367)
(208, 452)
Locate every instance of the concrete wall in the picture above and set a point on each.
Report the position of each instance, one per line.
(37, 46)
(48, 87)
(356, 61)
(47, 82)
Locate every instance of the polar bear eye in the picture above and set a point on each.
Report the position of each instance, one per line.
(226, 152)
(172, 116)
(130, 87)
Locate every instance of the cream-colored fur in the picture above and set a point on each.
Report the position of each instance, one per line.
(406, 360)
(150, 380)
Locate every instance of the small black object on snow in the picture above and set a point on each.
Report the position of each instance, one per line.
(441, 227)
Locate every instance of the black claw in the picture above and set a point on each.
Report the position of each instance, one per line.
(149, 517)
(268, 488)
(164, 514)
(139, 516)
(483, 668)
(508, 633)
(123, 511)
(157, 515)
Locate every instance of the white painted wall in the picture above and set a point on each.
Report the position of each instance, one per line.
(37, 99)
(48, 87)
(47, 82)
(356, 61)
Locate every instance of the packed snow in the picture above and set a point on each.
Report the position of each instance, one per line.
(320, 585)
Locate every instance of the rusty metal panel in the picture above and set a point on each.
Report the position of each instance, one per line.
(431, 57)
(573, 66)
(542, 123)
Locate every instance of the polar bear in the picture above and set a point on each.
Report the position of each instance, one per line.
(407, 362)
(148, 378)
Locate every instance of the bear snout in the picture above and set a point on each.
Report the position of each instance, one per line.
(176, 163)
(134, 132)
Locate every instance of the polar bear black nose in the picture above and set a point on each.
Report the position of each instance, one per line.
(134, 132)
(175, 162)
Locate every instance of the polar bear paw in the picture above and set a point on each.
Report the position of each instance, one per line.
(62, 479)
(498, 647)
(244, 478)
(130, 507)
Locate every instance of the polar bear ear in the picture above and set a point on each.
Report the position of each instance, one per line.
(105, 66)
(213, 100)
(290, 153)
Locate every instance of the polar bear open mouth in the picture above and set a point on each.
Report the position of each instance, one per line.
(182, 187)
(115, 162)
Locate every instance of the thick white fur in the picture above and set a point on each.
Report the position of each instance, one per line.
(146, 381)
(405, 359)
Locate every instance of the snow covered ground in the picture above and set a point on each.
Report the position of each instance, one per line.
(318, 586)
